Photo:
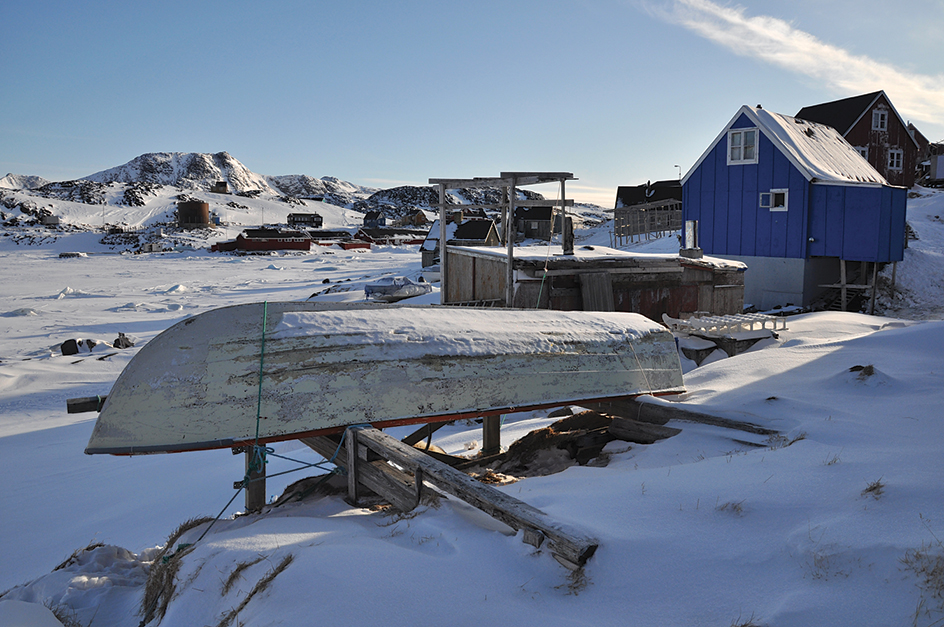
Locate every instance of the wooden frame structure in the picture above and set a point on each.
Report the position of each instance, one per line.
(508, 182)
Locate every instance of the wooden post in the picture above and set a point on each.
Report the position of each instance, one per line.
(842, 281)
(510, 269)
(442, 246)
(874, 287)
(256, 489)
(491, 435)
(352, 464)
(894, 273)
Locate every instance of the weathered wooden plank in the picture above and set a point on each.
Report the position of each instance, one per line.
(423, 432)
(639, 432)
(596, 288)
(570, 544)
(396, 486)
(660, 412)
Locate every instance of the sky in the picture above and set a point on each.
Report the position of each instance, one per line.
(384, 94)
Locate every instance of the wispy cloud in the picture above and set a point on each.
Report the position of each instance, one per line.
(777, 42)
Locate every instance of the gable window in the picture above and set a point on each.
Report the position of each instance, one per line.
(864, 151)
(742, 146)
(775, 199)
(880, 120)
(894, 158)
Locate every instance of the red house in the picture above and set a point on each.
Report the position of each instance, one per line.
(255, 240)
(872, 125)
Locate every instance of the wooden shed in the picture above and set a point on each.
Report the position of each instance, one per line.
(596, 278)
(794, 201)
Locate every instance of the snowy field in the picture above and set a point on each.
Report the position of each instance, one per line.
(839, 520)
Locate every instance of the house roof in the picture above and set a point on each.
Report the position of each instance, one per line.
(373, 215)
(274, 233)
(627, 196)
(474, 230)
(818, 151)
(534, 213)
(844, 114)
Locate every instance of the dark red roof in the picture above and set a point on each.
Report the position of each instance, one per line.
(839, 114)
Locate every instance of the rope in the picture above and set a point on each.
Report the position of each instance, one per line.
(548, 255)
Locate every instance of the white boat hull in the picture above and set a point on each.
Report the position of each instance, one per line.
(325, 367)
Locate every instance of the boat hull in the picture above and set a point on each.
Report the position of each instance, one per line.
(319, 368)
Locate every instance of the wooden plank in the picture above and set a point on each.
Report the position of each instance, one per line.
(423, 432)
(596, 288)
(659, 413)
(396, 486)
(491, 435)
(571, 545)
(631, 430)
(84, 404)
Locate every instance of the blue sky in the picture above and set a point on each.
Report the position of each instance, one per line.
(382, 93)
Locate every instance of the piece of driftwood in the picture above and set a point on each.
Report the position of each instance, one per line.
(631, 430)
(660, 412)
(570, 546)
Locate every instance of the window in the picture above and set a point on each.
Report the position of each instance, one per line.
(880, 120)
(775, 199)
(894, 159)
(742, 146)
(864, 151)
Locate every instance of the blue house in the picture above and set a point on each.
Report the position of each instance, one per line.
(795, 202)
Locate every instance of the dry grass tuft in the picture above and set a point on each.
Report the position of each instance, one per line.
(735, 507)
(72, 559)
(749, 622)
(161, 584)
(63, 613)
(260, 586)
(875, 489)
(237, 573)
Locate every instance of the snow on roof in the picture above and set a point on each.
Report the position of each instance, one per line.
(818, 151)
(590, 254)
(431, 242)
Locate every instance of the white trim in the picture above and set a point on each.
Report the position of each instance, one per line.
(736, 137)
(864, 151)
(895, 164)
(880, 119)
(767, 200)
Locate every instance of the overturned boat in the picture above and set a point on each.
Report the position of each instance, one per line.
(279, 371)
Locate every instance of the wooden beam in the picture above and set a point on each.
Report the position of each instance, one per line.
(660, 412)
(84, 404)
(631, 430)
(423, 432)
(396, 486)
(256, 488)
(571, 547)
(491, 435)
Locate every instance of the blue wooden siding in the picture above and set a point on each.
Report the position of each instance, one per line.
(726, 202)
(851, 222)
(857, 223)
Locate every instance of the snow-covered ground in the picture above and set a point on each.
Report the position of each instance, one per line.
(837, 521)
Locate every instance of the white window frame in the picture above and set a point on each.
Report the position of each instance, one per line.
(736, 146)
(880, 120)
(773, 201)
(864, 151)
(896, 157)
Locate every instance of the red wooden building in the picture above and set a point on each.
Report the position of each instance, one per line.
(872, 125)
(254, 240)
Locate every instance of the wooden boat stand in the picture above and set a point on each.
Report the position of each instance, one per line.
(365, 456)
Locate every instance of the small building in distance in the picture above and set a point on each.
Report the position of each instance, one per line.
(311, 220)
(265, 239)
(641, 210)
(534, 222)
(470, 233)
(390, 236)
(374, 219)
(875, 129)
